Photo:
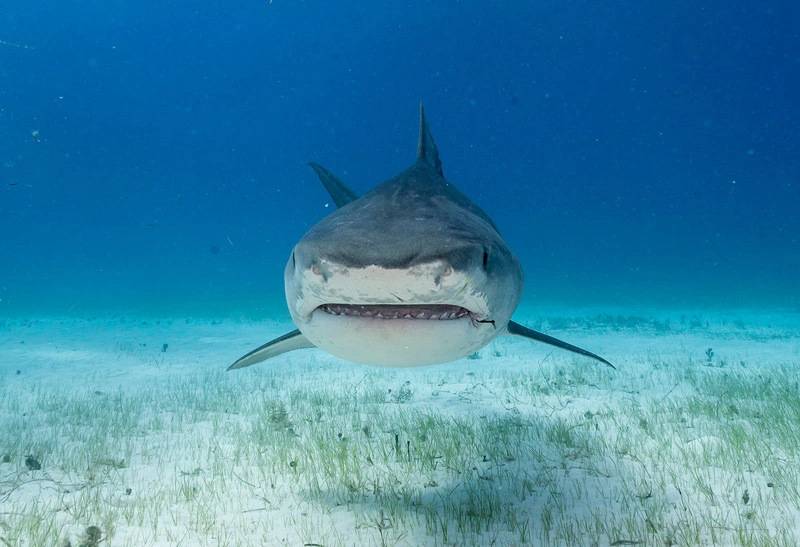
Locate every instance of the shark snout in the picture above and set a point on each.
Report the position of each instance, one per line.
(327, 283)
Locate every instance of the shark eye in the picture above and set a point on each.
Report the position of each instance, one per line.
(485, 259)
(316, 271)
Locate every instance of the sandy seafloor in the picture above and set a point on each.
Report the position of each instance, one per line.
(520, 445)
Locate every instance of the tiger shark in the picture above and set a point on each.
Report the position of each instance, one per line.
(412, 273)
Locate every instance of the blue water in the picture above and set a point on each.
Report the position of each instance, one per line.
(630, 152)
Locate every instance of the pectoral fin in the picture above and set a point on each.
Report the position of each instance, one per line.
(516, 329)
(288, 342)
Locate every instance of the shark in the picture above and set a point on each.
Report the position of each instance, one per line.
(411, 273)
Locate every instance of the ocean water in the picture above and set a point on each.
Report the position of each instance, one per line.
(153, 154)
(640, 158)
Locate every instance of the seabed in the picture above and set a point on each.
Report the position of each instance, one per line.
(127, 431)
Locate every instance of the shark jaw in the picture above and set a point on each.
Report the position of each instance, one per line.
(396, 342)
(432, 312)
(421, 315)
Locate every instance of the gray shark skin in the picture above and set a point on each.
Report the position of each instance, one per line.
(412, 273)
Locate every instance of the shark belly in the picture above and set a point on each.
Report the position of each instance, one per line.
(396, 342)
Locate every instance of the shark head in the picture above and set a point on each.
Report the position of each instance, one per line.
(412, 273)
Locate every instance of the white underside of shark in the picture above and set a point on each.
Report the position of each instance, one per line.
(372, 329)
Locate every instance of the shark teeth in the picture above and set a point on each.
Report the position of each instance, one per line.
(430, 312)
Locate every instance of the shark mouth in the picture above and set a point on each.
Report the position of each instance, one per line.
(437, 312)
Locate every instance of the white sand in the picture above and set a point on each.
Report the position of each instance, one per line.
(526, 445)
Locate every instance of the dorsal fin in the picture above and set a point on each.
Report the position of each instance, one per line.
(339, 191)
(426, 148)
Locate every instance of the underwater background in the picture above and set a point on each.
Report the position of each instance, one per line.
(153, 154)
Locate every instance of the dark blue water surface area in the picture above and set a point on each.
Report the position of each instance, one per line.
(154, 153)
